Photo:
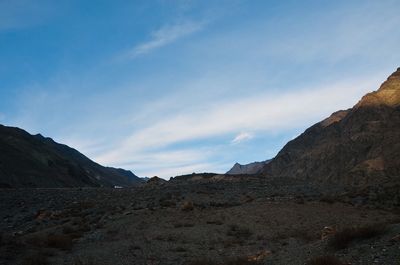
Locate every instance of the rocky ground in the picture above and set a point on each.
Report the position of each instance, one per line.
(199, 221)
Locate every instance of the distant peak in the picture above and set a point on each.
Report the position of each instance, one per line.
(394, 78)
(388, 94)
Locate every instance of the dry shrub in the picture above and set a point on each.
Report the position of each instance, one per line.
(227, 261)
(344, 237)
(179, 249)
(166, 237)
(63, 242)
(328, 199)
(240, 261)
(325, 260)
(72, 232)
(38, 258)
(84, 227)
(214, 222)
(300, 200)
(239, 232)
(178, 225)
(203, 261)
(167, 201)
(67, 229)
(83, 261)
(223, 204)
(7, 239)
(231, 242)
(37, 240)
(303, 234)
(187, 206)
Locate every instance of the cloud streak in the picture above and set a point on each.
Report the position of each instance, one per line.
(265, 113)
(164, 36)
(242, 137)
(198, 108)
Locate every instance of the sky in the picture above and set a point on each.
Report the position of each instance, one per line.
(167, 87)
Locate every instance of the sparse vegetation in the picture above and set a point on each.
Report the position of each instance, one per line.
(239, 231)
(178, 225)
(214, 222)
(187, 206)
(227, 261)
(343, 238)
(73, 232)
(67, 229)
(179, 249)
(261, 231)
(83, 261)
(37, 258)
(37, 240)
(63, 242)
(167, 203)
(303, 234)
(328, 199)
(325, 260)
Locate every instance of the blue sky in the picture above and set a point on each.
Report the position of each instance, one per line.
(173, 87)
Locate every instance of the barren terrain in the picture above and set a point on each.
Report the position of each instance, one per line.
(196, 222)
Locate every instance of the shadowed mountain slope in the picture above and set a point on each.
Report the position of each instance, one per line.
(35, 161)
(359, 146)
(252, 168)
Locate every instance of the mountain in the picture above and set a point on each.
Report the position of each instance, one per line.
(359, 146)
(252, 168)
(35, 161)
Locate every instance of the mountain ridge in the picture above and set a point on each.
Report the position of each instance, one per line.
(358, 146)
(36, 161)
(251, 168)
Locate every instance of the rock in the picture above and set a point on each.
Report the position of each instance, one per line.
(327, 232)
(259, 256)
(395, 239)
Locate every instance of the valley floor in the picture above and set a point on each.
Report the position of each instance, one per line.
(208, 223)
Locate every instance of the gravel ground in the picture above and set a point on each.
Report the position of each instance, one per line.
(185, 222)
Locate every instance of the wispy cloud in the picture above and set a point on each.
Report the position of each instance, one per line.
(168, 163)
(263, 76)
(241, 137)
(263, 113)
(164, 36)
(172, 171)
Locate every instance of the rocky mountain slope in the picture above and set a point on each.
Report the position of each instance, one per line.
(35, 161)
(252, 168)
(359, 146)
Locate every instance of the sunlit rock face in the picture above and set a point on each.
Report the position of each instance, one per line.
(358, 146)
(388, 94)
